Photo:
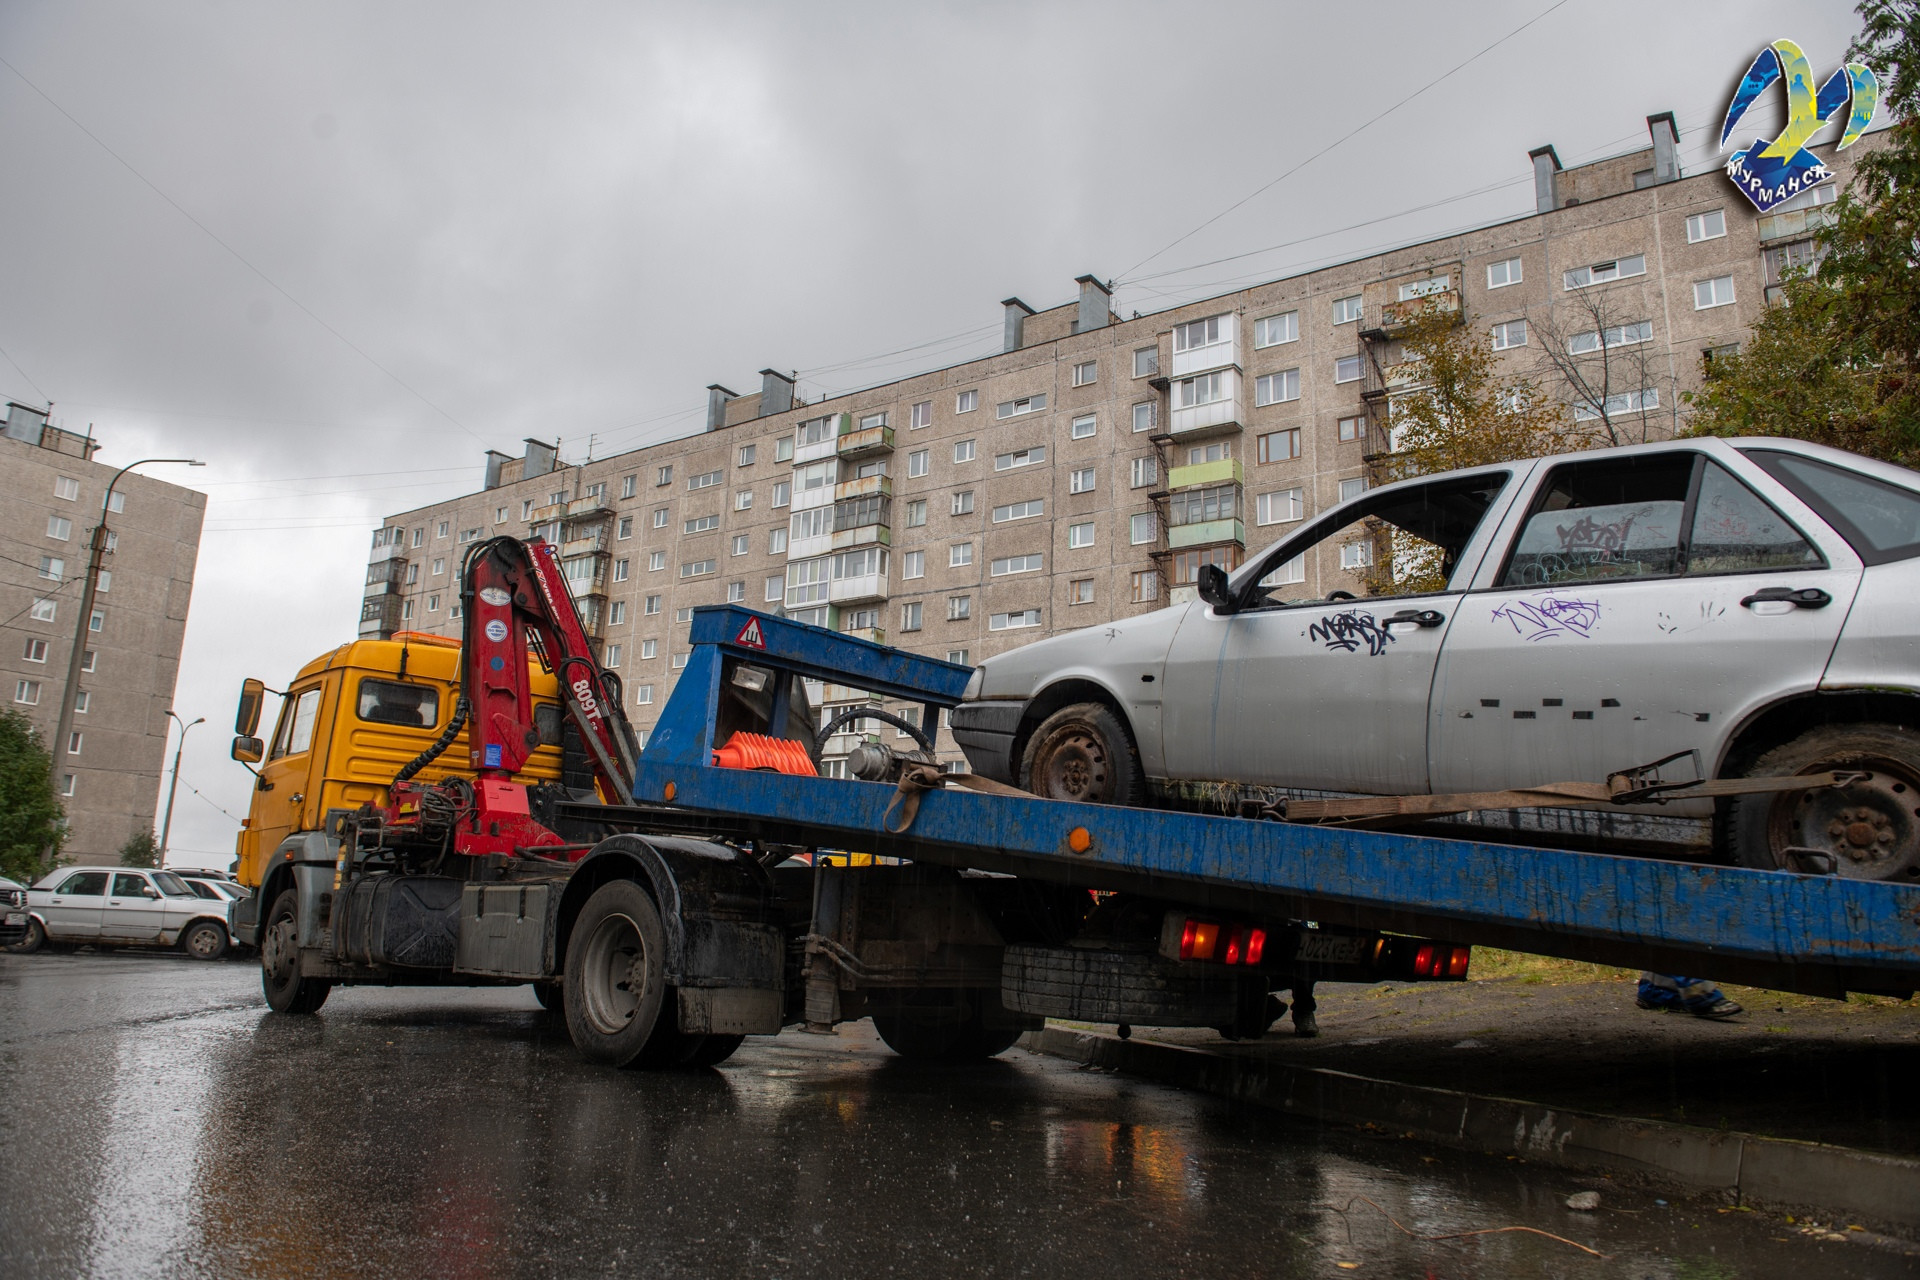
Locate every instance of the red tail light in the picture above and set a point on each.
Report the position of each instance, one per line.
(1206, 937)
(1233, 948)
(1457, 962)
(1256, 945)
(1423, 961)
(1186, 939)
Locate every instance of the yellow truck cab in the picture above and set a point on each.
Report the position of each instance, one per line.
(352, 719)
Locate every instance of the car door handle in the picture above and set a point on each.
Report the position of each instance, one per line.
(1800, 598)
(1418, 617)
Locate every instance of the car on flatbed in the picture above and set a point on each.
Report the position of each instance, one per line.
(1553, 619)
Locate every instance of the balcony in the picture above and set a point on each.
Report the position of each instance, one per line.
(1206, 533)
(1224, 471)
(1397, 317)
(1383, 381)
(863, 444)
(877, 635)
(1215, 355)
(593, 544)
(864, 487)
(825, 448)
(866, 535)
(379, 617)
(858, 587)
(385, 576)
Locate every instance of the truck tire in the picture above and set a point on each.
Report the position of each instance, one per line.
(711, 1051)
(951, 1032)
(35, 939)
(286, 990)
(617, 976)
(1871, 829)
(1083, 753)
(204, 940)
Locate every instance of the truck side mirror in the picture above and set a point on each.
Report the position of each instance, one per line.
(248, 750)
(247, 722)
(1212, 587)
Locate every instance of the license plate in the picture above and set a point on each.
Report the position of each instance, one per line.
(1330, 948)
(16, 918)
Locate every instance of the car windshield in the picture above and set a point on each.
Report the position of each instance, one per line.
(172, 885)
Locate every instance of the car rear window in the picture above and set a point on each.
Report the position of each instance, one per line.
(1880, 521)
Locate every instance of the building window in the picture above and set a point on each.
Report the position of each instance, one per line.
(660, 518)
(959, 554)
(1619, 335)
(1351, 489)
(698, 568)
(777, 541)
(958, 657)
(1032, 563)
(1195, 334)
(1142, 528)
(678, 661)
(433, 605)
(656, 560)
(1080, 591)
(59, 528)
(619, 570)
(117, 502)
(910, 616)
(918, 462)
(1346, 369)
(705, 480)
(1083, 426)
(736, 592)
(1352, 429)
(74, 740)
(1511, 333)
(27, 692)
(743, 500)
(913, 564)
(629, 485)
(1717, 292)
(920, 415)
(1203, 506)
(1274, 388)
(1186, 565)
(1080, 535)
(1502, 274)
(1021, 458)
(776, 586)
(1346, 310)
(782, 493)
(406, 610)
(701, 524)
(916, 513)
(1145, 414)
(52, 567)
(36, 651)
(439, 566)
(1144, 472)
(963, 502)
(1146, 586)
(683, 614)
(663, 476)
(44, 610)
(66, 487)
(420, 534)
(97, 620)
(624, 529)
(440, 530)
(1014, 620)
(1017, 408)
(499, 515)
(1085, 372)
(612, 660)
(648, 648)
(89, 660)
(1208, 388)
(1625, 402)
(1020, 510)
(741, 541)
(617, 613)
(1294, 570)
(1710, 225)
(1425, 288)
(1279, 446)
(746, 456)
(1280, 507)
(643, 695)
(1080, 480)
(413, 574)
(959, 608)
(1271, 331)
(1604, 272)
(1356, 555)
(783, 449)
(1146, 362)
(966, 402)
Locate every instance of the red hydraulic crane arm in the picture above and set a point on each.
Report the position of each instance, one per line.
(511, 588)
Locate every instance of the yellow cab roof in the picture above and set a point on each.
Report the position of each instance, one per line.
(429, 657)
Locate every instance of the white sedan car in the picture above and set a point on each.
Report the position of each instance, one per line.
(123, 906)
(1555, 619)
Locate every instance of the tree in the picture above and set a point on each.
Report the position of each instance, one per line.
(142, 849)
(1620, 385)
(1839, 361)
(30, 818)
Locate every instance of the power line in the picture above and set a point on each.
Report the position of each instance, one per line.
(237, 255)
(1363, 125)
(23, 373)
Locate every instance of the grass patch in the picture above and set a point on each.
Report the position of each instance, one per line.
(1529, 970)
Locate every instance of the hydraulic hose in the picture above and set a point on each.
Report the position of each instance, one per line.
(440, 744)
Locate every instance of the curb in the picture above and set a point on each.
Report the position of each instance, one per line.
(1773, 1172)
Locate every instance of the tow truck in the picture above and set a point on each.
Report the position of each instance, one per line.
(668, 902)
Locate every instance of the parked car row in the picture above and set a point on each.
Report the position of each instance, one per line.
(122, 906)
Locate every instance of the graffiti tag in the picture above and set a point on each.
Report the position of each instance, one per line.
(1550, 616)
(1350, 629)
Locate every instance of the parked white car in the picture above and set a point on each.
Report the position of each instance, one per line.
(1549, 620)
(125, 906)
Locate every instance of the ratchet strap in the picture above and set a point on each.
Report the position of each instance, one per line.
(918, 779)
(1619, 789)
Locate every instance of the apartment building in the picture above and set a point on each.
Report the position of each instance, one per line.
(110, 765)
(1087, 471)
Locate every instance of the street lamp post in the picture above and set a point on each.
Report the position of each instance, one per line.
(62, 736)
(173, 788)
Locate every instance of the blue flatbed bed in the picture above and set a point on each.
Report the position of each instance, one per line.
(1823, 935)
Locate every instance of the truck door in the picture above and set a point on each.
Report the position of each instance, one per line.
(1640, 608)
(281, 792)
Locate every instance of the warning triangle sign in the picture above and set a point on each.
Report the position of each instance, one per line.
(750, 636)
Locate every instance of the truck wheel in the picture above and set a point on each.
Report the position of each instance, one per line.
(711, 1051)
(204, 940)
(1871, 829)
(36, 938)
(616, 974)
(286, 990)
(1083, 753)
(945, 1031)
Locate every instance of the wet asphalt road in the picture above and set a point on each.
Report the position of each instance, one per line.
(160, 1122)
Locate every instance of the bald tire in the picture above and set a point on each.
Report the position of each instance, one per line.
(1084, 753)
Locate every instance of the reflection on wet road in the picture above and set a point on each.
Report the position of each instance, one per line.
(159, 1122)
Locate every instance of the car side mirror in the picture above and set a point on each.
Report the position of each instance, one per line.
(149, 892)
(1212, 586)
(248, 750)
(247, 722)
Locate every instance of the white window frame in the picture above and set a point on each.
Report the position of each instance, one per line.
(1626, 267)
(1080, 535)
(1286, 380)
(1276, 330)
(1358, 366)
(966, 401)
(1709, 224)
(1082, 480)
(1718, 293)
(1505, 274)
(1280, 506)
(1086, 373)
(919, 463)
(1503, 335)
(1019, 408)
(1347, 310)
(959, 555)
(1083, 427)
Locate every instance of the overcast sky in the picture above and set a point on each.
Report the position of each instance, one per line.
(339, 250)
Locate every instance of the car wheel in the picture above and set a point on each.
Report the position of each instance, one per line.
(204, 940)
(1870, 829)
(36, 939)
(616, 975)
(1083, 753)
(286, 990)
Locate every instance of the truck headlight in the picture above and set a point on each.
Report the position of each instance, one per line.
(974, 681)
